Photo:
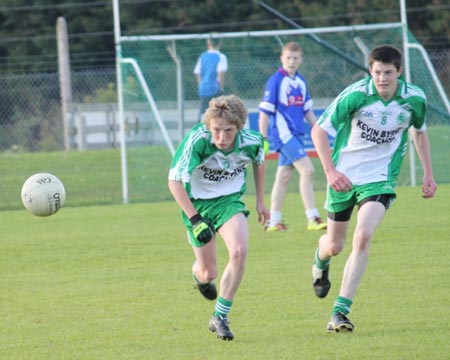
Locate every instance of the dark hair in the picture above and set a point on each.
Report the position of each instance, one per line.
(387, 54)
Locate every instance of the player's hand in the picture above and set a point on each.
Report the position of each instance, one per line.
(202, 228)
(429, 187)
(266, 146)
(338, 181)
(263, 213)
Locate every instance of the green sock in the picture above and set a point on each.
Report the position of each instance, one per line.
(342, 305)
(321, 264)
(223, 307)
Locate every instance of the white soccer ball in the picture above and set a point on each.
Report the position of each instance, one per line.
(43, 194)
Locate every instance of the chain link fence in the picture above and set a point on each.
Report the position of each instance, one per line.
(30, 106)
(31, 109)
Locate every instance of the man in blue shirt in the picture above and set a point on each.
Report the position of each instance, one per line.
(210, 72)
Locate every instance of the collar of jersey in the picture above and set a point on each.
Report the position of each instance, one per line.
(284, 72)
(401, 90)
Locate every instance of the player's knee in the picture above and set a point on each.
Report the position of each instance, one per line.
(362, 239)
(284, 177)
(238, 254)
(307, 173)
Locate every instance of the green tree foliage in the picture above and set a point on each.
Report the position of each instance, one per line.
(28, 32)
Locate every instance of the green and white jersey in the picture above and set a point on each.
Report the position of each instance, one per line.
(208, 172)
(370, 133)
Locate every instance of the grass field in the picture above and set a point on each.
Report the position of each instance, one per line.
(113, 282)
(94, 177)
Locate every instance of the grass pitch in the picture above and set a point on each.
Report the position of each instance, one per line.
(94, 177)
(113, 282)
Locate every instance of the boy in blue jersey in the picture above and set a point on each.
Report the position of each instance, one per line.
(207, 178)
(210, 71)
(285, 106)
(370, 121)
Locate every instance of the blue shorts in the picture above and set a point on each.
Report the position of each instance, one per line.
(292, 151)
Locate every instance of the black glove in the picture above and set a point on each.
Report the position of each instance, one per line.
(202, 228)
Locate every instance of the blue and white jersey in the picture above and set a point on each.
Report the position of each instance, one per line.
(209, 64)
(286, 100)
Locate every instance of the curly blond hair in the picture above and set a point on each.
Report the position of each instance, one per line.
(227, 107)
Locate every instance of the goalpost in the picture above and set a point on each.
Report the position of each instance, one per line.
(158, 71)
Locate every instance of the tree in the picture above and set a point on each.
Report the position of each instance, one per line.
(28, 39)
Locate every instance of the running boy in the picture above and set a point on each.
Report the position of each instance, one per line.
(370, 121)
(284, 108)
(207, 179)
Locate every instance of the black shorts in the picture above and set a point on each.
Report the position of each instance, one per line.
(345, 215)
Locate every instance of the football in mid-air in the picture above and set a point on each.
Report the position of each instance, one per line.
(43, 194)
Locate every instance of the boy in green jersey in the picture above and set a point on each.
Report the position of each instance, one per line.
(370, 121)
(207, 179)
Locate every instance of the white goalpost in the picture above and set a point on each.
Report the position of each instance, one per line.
(133, 63)
(123, 151)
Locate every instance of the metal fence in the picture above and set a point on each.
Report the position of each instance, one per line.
(30, 106)
(31, 111)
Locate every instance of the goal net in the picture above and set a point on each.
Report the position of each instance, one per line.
(333, 58)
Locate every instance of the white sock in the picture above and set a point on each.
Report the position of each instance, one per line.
(312, 213)
(275, 217)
